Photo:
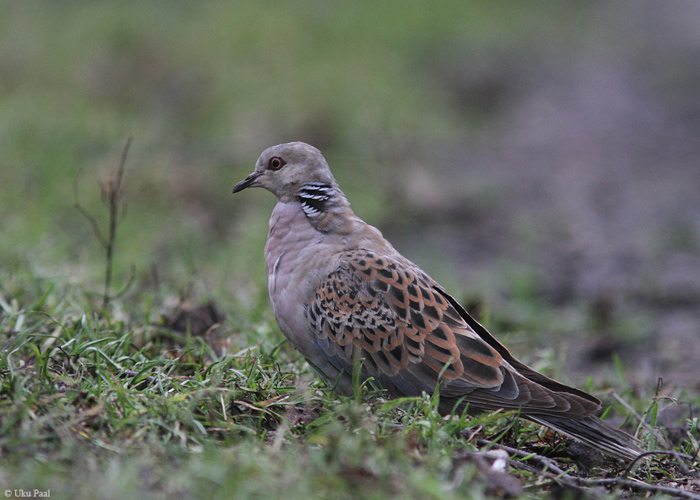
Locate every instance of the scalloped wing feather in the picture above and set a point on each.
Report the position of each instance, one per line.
(411, 336)
(391, 315)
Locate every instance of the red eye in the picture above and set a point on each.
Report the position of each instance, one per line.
(276, 163)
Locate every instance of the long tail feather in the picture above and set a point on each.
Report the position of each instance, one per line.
(595, 433)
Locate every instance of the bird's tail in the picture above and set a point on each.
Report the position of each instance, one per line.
(595, 433)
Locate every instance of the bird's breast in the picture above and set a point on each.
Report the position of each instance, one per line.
(297, 258)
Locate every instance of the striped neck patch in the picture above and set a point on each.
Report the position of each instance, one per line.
(314, 197)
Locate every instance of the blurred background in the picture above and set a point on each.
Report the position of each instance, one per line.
(540, 160)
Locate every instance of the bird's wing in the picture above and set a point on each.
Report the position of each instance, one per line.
(412, 335)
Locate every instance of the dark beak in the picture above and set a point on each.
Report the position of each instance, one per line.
(247, 182)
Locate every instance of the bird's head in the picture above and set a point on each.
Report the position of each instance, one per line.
(285, 168)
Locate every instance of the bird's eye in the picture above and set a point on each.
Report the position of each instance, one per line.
(276, 163)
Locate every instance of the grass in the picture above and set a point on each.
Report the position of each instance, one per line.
(118, 404)
(152, 413)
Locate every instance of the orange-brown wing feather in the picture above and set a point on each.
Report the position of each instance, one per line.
(391, 315)
(412, 335)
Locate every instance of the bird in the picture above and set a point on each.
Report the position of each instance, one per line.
(344, 297)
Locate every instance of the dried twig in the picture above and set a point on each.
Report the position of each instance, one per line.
(680, 459)
(111, 196)
(546, 463)
(560, 476)
(111, 192)
(657, 435)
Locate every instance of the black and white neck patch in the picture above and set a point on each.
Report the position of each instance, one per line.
(314, 197)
